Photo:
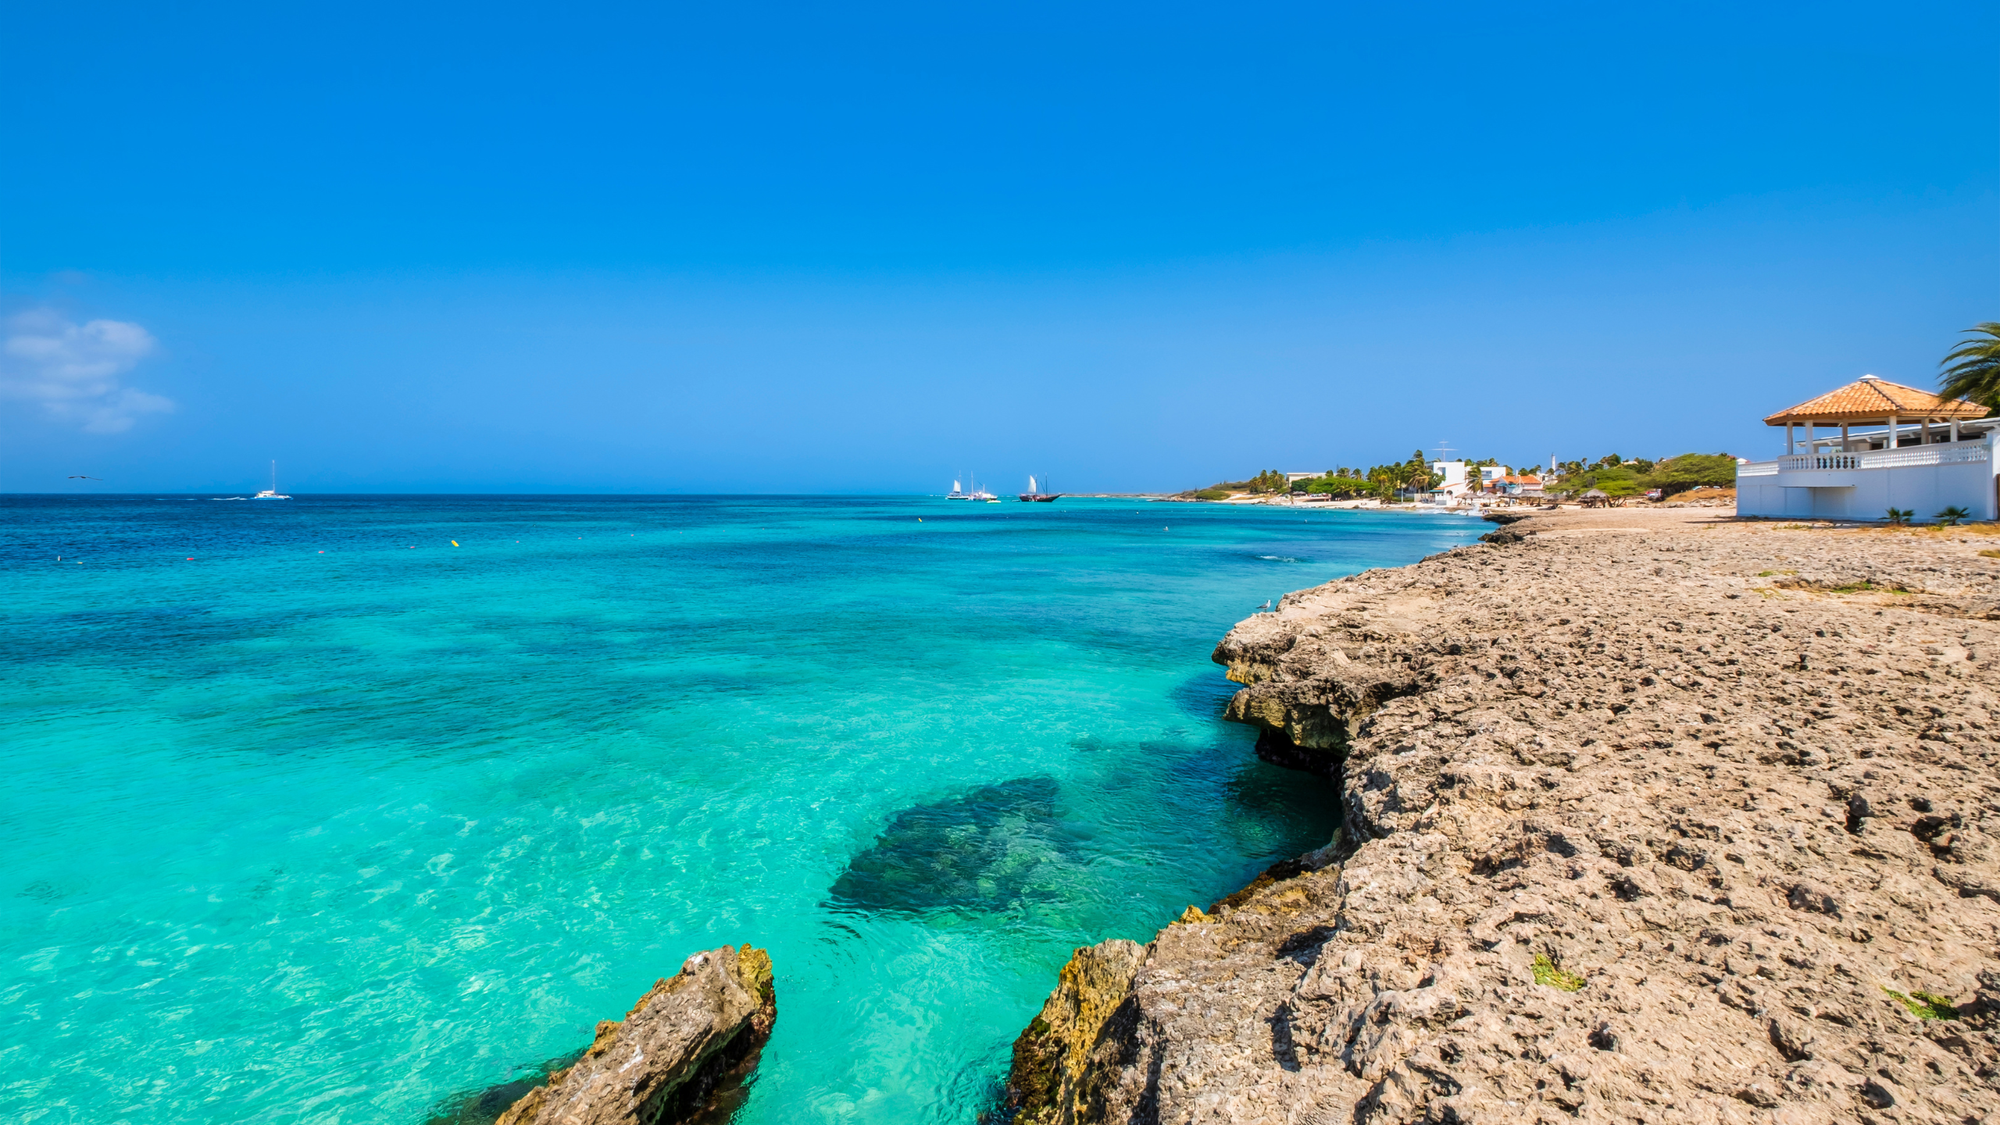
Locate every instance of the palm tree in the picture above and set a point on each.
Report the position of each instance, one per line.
(1972, 370)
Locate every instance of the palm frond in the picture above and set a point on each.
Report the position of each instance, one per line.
(1972, 369)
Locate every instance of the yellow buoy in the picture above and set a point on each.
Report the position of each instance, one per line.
(454, 542)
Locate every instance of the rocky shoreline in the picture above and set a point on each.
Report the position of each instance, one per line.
(1648, 817)
(664, 1062)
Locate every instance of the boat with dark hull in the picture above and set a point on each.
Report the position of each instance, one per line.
(1035, 495)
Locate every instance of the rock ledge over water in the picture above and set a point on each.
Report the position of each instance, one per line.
(662, 1061)
(1647, 819)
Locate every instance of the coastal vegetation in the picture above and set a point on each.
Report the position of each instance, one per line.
(1615, 476)
(1693, 470)
(1972, 369)
(1268, 481)
(1610, 474)
(1379, 481)
(1384, 481)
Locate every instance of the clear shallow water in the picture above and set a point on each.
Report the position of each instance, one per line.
(314, 817)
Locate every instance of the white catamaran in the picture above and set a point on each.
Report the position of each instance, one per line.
(272, 492)
(977, 493)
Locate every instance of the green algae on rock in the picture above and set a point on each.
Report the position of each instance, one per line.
(1045, 1085)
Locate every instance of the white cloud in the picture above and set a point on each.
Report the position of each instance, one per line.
(73, 369)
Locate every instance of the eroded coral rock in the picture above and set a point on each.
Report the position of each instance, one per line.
(1644, 821)
(660, 1063)
(1050, 1057)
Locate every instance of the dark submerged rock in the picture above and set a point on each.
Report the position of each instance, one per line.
(978, 851)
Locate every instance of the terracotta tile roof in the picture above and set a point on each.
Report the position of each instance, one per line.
(1869, 399)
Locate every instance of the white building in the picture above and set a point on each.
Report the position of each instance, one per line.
(1455, 485)
(1924, 454)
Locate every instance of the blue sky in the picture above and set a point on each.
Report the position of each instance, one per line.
(833, 248)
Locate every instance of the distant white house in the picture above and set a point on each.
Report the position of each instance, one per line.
(1456, 483)
(1923, 454)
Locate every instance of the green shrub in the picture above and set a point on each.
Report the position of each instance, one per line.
(1693, 470)
(1616, 481)
(1546, 972)
(1926, 1005)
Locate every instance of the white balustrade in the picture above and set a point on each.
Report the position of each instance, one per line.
(1820, 461)
(1952, 453)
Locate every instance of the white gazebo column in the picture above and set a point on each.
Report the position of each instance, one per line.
(1789, 448)
(1843, 437)
(1954, 429)
(1892, 432)
(1924, 432)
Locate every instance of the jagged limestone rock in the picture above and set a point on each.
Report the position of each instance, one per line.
(660, 1062)
(1647, 820)
(1049, 1057)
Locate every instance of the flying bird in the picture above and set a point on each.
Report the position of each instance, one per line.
(86, 478)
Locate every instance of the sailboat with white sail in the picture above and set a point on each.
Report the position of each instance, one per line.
(272, 492)
(1036, 493)
(976, 493)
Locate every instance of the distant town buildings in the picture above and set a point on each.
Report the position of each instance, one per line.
(1517, 486)
(1467, 484)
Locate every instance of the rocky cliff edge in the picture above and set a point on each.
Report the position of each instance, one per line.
(1646, 819)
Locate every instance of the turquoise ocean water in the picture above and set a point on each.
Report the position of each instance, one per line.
(311, 816)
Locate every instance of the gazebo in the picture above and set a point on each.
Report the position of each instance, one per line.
(1918, 453)
(1872, 401)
